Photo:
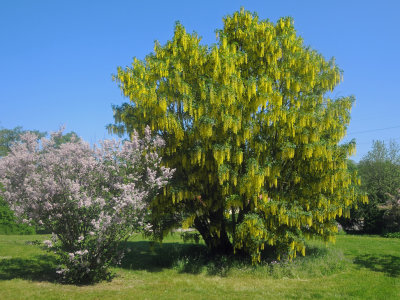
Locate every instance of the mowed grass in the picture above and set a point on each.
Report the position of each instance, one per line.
(356, 267)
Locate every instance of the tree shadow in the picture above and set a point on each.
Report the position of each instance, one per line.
(388, 264)
(195, 258)
(155, 257)
(315, 251)
(39, 268)
(185, 258)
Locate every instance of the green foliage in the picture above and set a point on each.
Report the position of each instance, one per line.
(251, 133)
(380, 175)
(190, 237)
(380, 171)
(10, 136)
(66, 138)
(8, 224)
(392, 235)
(391, 215)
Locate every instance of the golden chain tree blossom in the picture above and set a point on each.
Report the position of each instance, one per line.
(251, 132)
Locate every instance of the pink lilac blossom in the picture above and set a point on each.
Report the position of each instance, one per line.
(90, 198)
(48, 243)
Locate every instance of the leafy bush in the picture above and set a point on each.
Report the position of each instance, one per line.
(392, 235)
(380, 175)
(391, 215)
(8, 223)
(92, 199)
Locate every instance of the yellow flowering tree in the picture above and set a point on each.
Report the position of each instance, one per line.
(251, 132)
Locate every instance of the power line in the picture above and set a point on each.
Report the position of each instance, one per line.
(372, 130)
(370, 142)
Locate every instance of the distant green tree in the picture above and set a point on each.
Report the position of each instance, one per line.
(380, 175)
(9, 136)
(66, 138)
(391, 215)
(8, 224)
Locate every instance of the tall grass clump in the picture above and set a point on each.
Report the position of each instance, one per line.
(320, 260)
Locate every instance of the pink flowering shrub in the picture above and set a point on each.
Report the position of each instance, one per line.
(91, 198)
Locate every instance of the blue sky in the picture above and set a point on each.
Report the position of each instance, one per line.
(57, 57)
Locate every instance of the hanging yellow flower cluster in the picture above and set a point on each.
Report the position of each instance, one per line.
(247, 126)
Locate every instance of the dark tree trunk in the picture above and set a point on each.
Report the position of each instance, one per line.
(218, 244)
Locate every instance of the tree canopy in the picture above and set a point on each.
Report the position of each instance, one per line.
(10, 136)
(379, 170)
(251, 131)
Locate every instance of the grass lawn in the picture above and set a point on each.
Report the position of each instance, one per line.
(356, 267)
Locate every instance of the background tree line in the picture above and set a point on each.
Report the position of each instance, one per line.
(379, 170)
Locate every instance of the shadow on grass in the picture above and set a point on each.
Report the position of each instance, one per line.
(154, 257)
(315, 251)
(388, 264)
(195, 258)
(185, 258)
(39, 268)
